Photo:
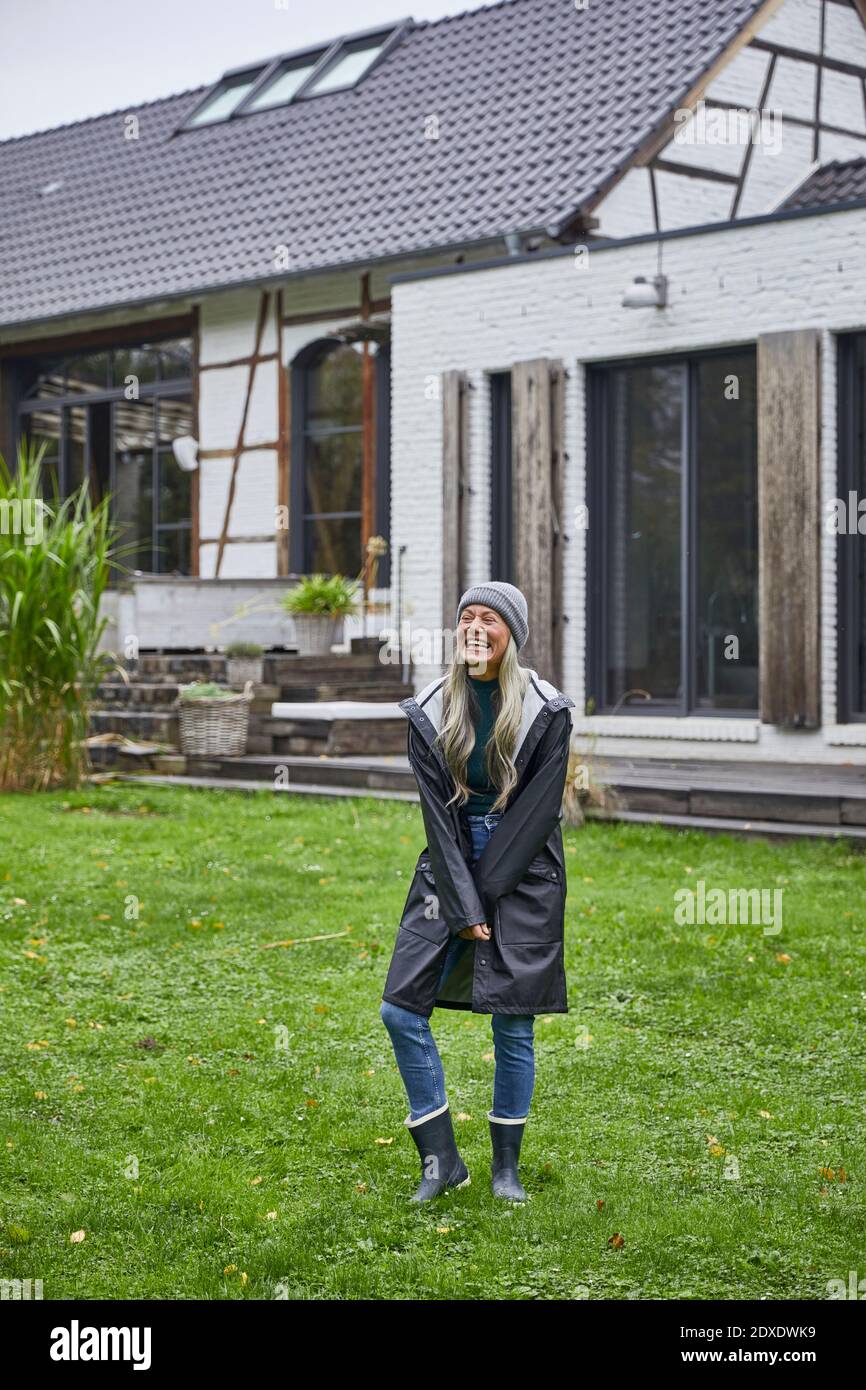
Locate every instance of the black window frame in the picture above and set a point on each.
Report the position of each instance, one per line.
(598, 452)
(306, 362)
(850, 588)
(112, 395)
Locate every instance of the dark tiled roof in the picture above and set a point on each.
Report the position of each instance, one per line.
(539, 104)
(837, 182)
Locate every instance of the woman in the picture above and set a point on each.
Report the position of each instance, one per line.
(482, 926)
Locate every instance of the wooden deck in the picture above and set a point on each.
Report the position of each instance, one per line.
(766, 799)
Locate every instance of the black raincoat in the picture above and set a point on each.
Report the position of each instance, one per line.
(517, 886)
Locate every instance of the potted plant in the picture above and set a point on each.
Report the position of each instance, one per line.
(213, 720)
(245, 661)
(319, 603)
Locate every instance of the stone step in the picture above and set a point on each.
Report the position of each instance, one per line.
(239, 785)
(181, 666)
(154, 726)
(365, 644)
(746, 829)
(138, 693)
(136, 757)
(383, 690)
(243, 776)
(829, 796)
(113, 695)
(286, 669)
(291, 768)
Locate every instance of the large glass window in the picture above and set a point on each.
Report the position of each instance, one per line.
(109, 417)
(674, 535)
(851, 540)
(340, 455)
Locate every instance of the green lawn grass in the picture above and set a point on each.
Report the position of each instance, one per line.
(225, 1121)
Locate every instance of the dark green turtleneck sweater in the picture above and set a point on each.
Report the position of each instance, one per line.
(484, 793)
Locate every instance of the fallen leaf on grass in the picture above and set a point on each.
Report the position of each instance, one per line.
(77, 1237)
(301, 940)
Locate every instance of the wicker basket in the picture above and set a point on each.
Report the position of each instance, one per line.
(215, 727)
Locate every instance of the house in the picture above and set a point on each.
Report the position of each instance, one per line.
(569, 293)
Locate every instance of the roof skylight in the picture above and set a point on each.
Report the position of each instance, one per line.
(284, 84)
(331, 67)
(226, 98)
(347, 66)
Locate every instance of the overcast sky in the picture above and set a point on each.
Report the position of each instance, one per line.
(62, 60)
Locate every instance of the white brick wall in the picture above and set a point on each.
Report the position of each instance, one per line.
(726, 287)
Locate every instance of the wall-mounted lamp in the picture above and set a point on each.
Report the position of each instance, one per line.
(646, 294)
(185, 450)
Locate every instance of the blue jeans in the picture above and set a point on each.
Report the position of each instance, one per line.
(416, 1052)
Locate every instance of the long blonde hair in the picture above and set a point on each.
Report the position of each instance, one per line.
(457, 734)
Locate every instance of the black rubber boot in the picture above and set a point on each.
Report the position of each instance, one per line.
(506, 1137)
(441, 1164)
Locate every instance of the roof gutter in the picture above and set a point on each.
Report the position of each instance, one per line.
(616, 243)
(192, 292)
(599, 244)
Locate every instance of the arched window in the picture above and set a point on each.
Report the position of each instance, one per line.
(340, 468)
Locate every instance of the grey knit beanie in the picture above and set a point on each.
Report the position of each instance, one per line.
(507, 600)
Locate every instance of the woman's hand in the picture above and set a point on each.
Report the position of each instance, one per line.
(480, 932)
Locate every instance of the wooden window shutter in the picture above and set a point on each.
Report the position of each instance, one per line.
(455, 462)
(538, 461)
(789, 506)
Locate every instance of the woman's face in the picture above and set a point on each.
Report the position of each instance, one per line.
(482, 636)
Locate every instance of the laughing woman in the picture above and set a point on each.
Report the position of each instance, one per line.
(483, 923)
